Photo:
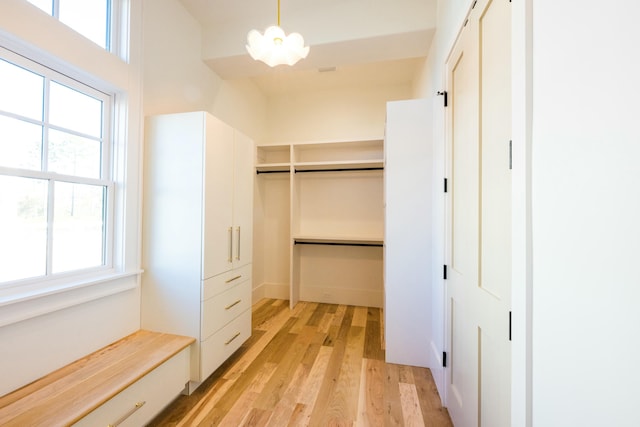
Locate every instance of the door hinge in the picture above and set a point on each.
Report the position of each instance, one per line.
(444, 359)
(444, 272)
(446, 97)
(509, 326)
(445, 185)
(510, 154)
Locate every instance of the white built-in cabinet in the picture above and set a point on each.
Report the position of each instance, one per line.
(320, 221)
(198, 235)
(408, 237)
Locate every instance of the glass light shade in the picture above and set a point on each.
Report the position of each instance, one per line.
(275, 48)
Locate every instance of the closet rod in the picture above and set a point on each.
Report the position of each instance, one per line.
(338, 170)
(379, 245)
(261, 172)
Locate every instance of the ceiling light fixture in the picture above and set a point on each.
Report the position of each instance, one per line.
(274, 47)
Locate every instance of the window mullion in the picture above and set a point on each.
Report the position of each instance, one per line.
(50, 218)
(45, 125)
(109, 27)
(56, 9)
(107, 144)
(45, 168)
(108, 221)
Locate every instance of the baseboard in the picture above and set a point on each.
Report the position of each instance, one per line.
(257, 293)
(275, 290)
(359, 297)
(437, 370)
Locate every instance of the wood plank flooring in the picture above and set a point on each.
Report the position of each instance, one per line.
(315, 365)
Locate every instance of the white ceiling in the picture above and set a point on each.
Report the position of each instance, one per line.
(366, 41)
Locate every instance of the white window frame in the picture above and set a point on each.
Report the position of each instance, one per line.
(105, 180)
(112, 29)
(108, 72)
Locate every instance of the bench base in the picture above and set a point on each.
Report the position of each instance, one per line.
(125, 383)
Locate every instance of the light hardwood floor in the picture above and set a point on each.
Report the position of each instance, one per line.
(315, 365)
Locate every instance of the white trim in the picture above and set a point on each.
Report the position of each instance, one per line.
(522, 271)
(120, 29)
(22, 303)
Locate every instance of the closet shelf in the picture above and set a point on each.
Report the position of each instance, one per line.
(272, 167)
(339, 165)
(339, 240)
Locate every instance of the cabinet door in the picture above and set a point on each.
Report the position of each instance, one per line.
(407, 258)
(218, 250)
(243, 200)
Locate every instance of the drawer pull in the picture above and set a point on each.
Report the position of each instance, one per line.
(232, 338)
(233, 305)
(233, 278)
(128, 414)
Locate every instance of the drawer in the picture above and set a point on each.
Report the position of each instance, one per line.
(156, 389)
(219, 310)
(220, 283)
(218, 347)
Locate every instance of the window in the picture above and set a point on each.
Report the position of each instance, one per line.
(91, 18)
(55, 173)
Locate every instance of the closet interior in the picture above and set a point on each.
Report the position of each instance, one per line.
(319, 222)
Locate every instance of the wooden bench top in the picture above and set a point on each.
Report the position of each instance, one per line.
(65, 396)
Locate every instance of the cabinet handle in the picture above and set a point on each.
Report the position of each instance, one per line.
(233, 278)
(232, 338)
(230, 258)
(128, 414)
(233, 305)
(238, 246)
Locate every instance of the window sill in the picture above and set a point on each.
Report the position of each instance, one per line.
(24, 302)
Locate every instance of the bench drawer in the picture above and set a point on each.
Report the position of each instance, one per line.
(152, 393)
(217, 348)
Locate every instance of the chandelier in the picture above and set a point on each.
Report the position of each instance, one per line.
(275, 47)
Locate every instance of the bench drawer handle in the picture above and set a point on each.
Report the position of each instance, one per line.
(233, 279)
(233, 305)
(128, 414)
(232, 338)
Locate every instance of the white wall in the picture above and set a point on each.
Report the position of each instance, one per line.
(585, 211)
(41, 334)
(331, 115)
(177, 80)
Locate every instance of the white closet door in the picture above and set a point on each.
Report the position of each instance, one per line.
(479, 286)
(407, 256)
(218, 251)
(462, 367)
(243, 200)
